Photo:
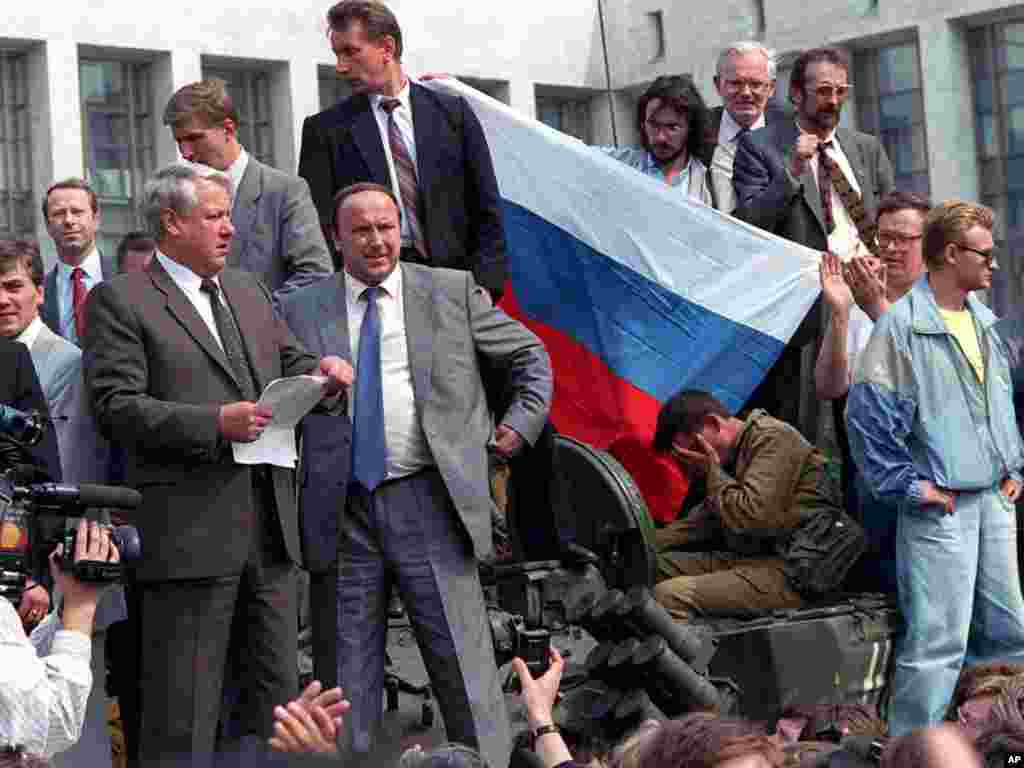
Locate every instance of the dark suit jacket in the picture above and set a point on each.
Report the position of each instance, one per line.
(49, 312)
(461, 209)
(19, 388)
(157, 378)
(768, 196)
(277, 231)
(449, 322)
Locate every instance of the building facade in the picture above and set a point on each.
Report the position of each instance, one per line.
(82, 89)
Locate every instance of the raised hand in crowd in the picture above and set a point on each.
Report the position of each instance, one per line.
(834, 288)
(310, 723)
(866, 277)
(804, 149)
(539, 696)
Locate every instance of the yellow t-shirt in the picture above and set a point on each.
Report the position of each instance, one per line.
(961, 325)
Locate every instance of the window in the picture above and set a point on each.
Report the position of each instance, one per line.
(747, 20)
(997, 73)
(332, 88)
(250, 91)
(17, 203)
(887, 86)
(655, 35)
(496, 89)
(565, 110)
(119, 140)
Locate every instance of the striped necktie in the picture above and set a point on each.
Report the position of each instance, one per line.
(408, 186)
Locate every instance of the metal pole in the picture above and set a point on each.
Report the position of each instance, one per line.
(607, 72)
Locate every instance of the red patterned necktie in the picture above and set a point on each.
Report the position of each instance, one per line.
(825, 186)
(408, 186)
(78, 295)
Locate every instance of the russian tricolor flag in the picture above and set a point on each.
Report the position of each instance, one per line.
(637, 291)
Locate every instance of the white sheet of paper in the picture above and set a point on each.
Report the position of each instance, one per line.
(290, 399)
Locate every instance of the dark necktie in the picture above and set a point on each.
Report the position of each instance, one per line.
(852, 201)
(825, 186)
(79, 293)
(231, 340)
(408, 185)
(369, 451)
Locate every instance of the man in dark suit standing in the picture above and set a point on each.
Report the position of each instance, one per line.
(428, 147)
(745, 79)
(277, 233)
(813, 182)
(72, 216)
(174, 379)
(401, 495)
(20, 389)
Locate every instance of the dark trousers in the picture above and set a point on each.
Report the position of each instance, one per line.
(323, 621)
(187, 641)
(407, 533)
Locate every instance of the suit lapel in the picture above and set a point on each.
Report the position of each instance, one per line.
(333, 319)
(366, 135)
(181, 308)
(853, 149)
(429, 128)
(51, 311)
(247, 317)
(108, 265)
(787, 134)
(243, 212)
(420, 323)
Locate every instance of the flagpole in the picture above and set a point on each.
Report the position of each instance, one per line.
(607, 73)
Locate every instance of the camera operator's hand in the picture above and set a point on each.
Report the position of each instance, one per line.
(539, 696)
(35, 604)
(91, 543)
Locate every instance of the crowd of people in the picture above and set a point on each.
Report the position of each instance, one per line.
(377, 268)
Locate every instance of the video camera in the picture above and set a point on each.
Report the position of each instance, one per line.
(23, 502)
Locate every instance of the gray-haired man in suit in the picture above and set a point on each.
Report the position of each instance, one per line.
(277, 230)
(399, 494)
(83, 453)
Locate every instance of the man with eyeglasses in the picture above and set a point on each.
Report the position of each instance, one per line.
(815, 183)
(671, 117)
(932, 429)
(857, 293)
(745, 79)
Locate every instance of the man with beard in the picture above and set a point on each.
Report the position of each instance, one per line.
(932, 429)
(671, 118)
(815, 183)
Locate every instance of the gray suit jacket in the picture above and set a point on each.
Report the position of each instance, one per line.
(768, 196)
(277, 230)
(84, 455)
(50, 312)
(157, 379)
(449, 322)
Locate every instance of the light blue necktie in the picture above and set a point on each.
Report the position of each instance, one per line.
(369, 452)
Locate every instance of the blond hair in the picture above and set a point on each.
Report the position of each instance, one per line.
(947, 222)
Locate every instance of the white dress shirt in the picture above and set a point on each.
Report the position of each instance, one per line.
(191, 284)
(236, 171)
(93, 269)
(31, 333)
(407, 447)
(845, 239)
(403, 118)
(723, 157)
(42, 700)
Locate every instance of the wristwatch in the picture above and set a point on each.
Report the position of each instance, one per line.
(543, 730)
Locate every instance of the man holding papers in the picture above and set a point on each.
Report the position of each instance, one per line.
(175, 360)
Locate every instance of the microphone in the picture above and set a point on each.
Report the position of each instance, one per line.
(84, 495)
